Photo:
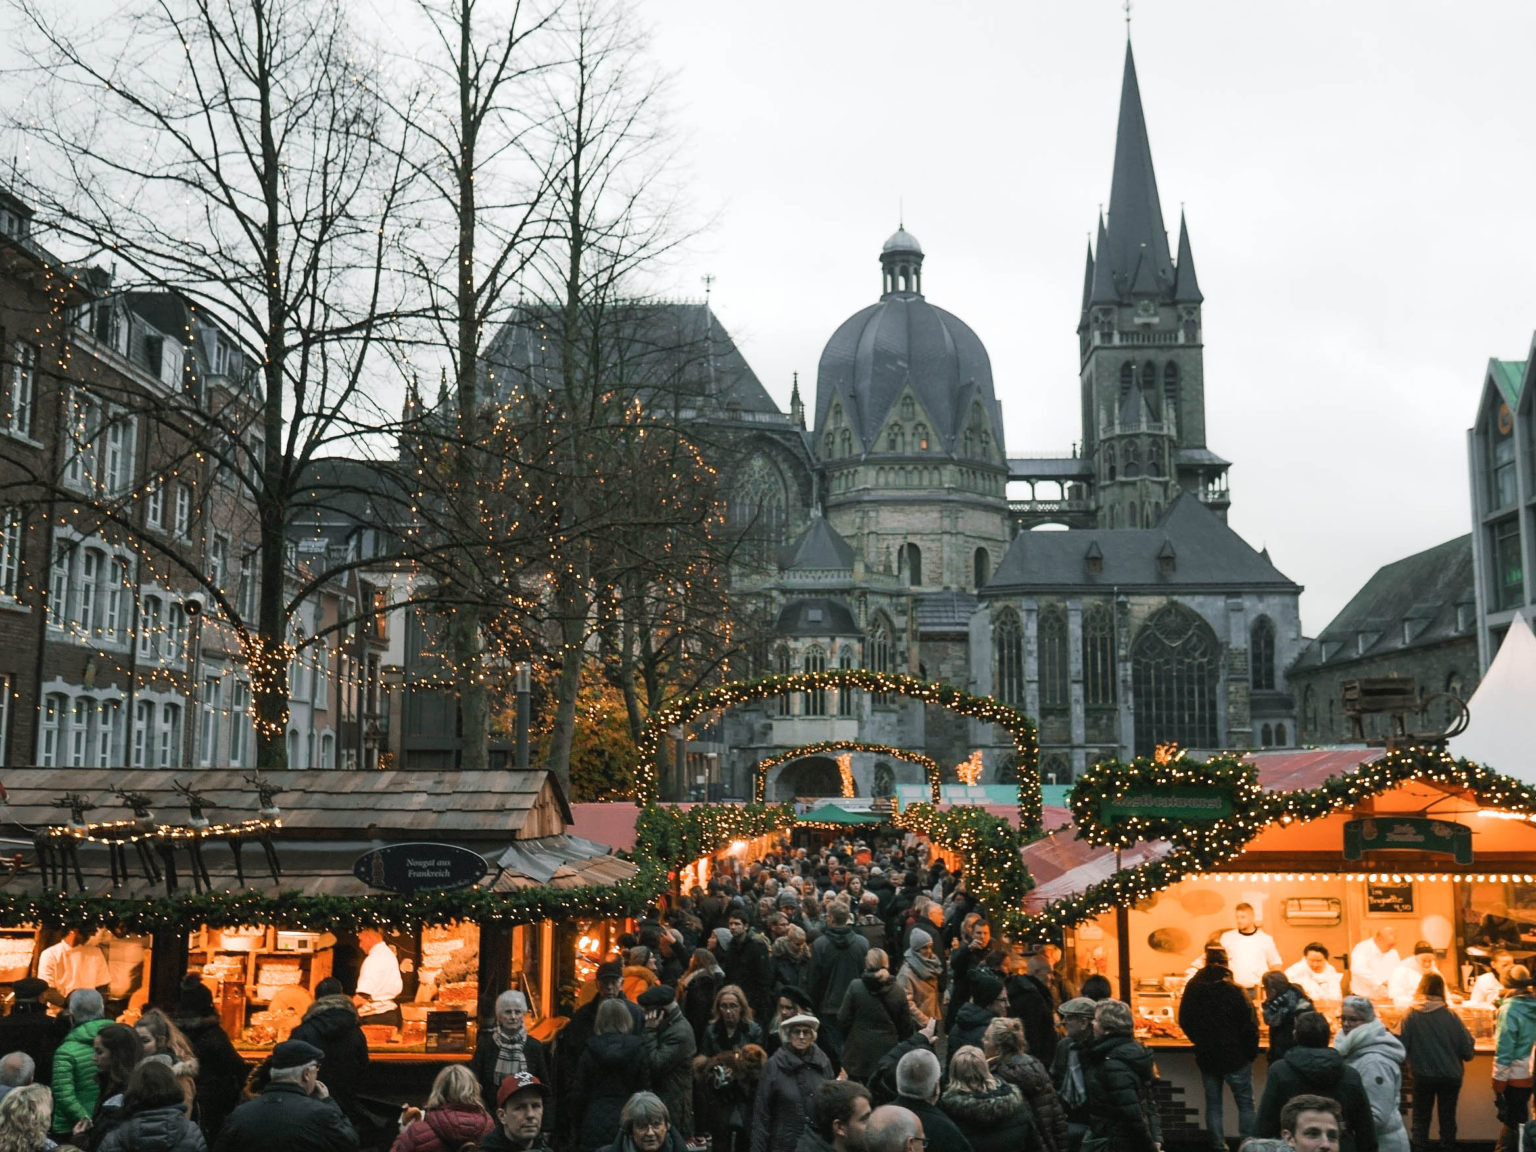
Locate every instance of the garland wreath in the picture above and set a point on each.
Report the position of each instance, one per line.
(988, 847)
(1018, 726)
(1168, 776)
(1197, 854)
(669, 838)
(760, 770)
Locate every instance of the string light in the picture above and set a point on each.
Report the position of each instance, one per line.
(760, 770)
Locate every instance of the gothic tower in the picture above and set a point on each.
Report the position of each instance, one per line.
(1140, 341)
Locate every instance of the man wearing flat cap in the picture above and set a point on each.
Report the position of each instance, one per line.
(30, 1029)
(670, 1048)
(1070, 1062)
(294, 1113)
(519, 1116)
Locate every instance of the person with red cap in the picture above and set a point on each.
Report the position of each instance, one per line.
(519, 1116)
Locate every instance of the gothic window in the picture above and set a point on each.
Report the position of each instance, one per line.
(885, 780)
(781, 668)
(847, 442)
(1054, 769)
(1054, 674)
(1171, 394)
(1110, 456)
(1008, 658)
(1280, 741)
(1135, 517)
(1155, 460)
(1175, 669)
(908, 409)
(969, 441)
(1098, 655)
(1261, 655)
(920, 438)
(982, 566)
(880, 655)
(986, 444)
(1132, 461)
(1266, 736)
(816, 699)
(1127, 378)
(759, 506)
(911, 564)
(844, 693)
(895, 439)
(829, 444)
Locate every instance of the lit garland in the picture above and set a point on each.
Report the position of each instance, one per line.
(1019, 726)
(988, 847)
(1110, 780)
(118, 832)
(969, 769)
(667, 839)
(845, 774)
(931, 770)
(1429, 765)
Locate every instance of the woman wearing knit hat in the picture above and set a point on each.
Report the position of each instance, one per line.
(919, 979)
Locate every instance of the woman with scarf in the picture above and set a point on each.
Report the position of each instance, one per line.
(1376, 1054)
(507, 1049)
(919, 981)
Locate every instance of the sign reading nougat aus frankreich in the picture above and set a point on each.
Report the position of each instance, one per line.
(422, 867)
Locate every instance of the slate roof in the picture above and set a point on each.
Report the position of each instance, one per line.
(816, 616)
(677, 352)
(1050, 468)
(819, 549)
(1207, 553)
(944, 611)
(1509, 377)
(1132, 257)
(1409, 603)
(903, 341)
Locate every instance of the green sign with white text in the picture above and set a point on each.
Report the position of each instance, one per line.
(1185, 802)
(1407, 834)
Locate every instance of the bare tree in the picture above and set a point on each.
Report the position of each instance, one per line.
(236, 154)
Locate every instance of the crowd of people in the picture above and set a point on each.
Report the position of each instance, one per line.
(836, 1001)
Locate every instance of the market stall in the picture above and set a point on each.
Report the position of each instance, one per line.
(1345, 846)
(265, 887)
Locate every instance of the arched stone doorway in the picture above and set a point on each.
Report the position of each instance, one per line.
(812, 776)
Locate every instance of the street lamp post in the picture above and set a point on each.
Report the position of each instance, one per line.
(524, 672)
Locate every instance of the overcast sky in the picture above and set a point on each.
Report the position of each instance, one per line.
(1358, 179)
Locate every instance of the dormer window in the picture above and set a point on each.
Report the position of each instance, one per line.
(920, 437)
(1093, 560)
(908, 408)
(1167, 559)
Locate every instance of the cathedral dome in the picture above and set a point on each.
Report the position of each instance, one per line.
(904, 345)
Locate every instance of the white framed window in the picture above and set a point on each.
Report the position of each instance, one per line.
(80, 421)
(183, 512)
(239, 722)
(327, 751)
(175, 633)
(113, 621)
(143, 733)
(80, 719)
(168, 754)
(108, 733)
(23, 388)
(322, 676)
(10, 553)
(51, 739)
(117, 455)
(249, 587)
(154, 506)
(213, 706)
(218, 560)
(58, 586)
(151, 624)
(87, 589)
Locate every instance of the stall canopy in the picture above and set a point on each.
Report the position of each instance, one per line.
(832, 814)
(324, 821)
(1502, 732)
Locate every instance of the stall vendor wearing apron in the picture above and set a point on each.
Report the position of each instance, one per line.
(379, 982)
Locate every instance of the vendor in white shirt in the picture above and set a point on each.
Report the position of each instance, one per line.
(378, 983)
(1372, 963)
(74, 962)
(1403, 985)
(1251, 951)
(1488, 987)
(1316, 977)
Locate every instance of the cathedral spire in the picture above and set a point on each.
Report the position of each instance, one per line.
(1186, 289)
(1088, 282)
(1103, 290)
(1136, 232)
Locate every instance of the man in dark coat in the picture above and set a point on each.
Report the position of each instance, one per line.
(968, 956)
(1218, 1018)
(331, 1025)
(1311, 1067)
(1030, 1003)
(669, 1049)
(747, 963)
(1118, 1074)
(294, 1112)
(1069, 1063)
(30, 1029)
(917, 1090)
(988, 1001)
(837, 960)
(221, 1073)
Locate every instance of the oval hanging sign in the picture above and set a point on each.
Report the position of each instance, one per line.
(423, 867)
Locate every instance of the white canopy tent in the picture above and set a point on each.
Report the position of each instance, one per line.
(1502, 732)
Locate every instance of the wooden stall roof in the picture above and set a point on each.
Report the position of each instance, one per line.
(419, 805)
